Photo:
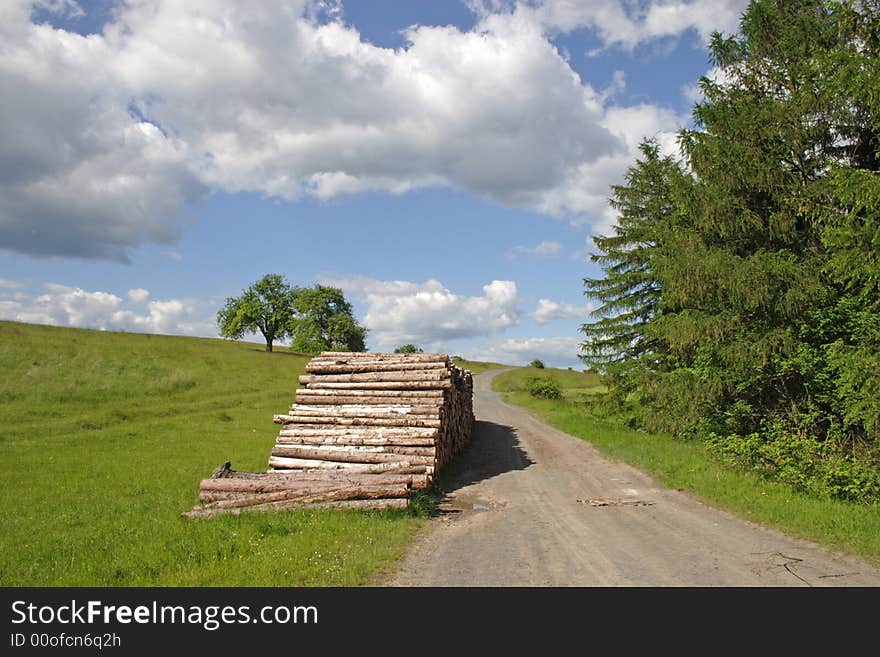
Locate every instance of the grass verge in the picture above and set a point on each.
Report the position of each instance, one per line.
(688, 465)
(103, 439)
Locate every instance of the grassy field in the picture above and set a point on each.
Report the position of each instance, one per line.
(103, 439)
(689, 466)
(477, 367)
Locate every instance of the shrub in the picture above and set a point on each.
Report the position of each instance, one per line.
(537, 363)
(819, 468)
(543, 388)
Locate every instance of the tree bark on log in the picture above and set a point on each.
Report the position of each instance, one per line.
(331, 430)
(315, 495)
(379, 410)
(401, 467)
(291, 502)
(336, 457)
(363, 505)
(276, 481)
(355, 355)
(336, 411)
(379, 385)
(416, 421)
(377, 377)
(347, 400)
(435, 394)
(375, 366)
(357, 441)
(333, 449)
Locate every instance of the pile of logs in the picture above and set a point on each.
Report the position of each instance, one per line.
(366, 430)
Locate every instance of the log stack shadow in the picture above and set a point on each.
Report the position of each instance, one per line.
(365, 431)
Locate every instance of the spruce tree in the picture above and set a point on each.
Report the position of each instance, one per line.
(629, 292)
(753, 309)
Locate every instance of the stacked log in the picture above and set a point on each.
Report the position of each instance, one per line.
(376, 412)
(365, 430)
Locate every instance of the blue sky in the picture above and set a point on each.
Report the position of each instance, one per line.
(443, 162)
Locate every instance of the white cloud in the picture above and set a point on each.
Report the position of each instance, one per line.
(79, 174)
(348, 116)
(105, 138)
(548, 311)
(622, 22)
(71, 306)
(617, 86)
(10, 284)
(554, 352)
(542, 249)
(138, 295)
(67, 8)
(583, 195)
(172, 255)
(692, 92)
(399, 312)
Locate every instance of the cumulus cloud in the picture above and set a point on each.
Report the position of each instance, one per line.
(79, 173)
(10, 284)
(583, 195)
(622, 23)
(138, 295)
(542, 249)
(428, 313)
(549, 311)
(106, 138)
(554, 352)
(61, 305)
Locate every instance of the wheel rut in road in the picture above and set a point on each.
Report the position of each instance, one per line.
(528, 505)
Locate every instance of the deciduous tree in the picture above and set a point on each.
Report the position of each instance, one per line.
(266, 306)
(324, 321)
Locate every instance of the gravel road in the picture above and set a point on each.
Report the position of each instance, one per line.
(528, 505)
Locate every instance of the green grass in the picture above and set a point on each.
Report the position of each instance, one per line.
(689, 466)
(103, 440)
(477, 367)
(576, 386)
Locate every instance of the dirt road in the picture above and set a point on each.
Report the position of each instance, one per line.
(521, 510)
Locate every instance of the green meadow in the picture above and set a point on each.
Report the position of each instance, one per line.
(103, 440)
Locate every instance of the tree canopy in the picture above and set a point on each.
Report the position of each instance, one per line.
(265, 307)
(741, 289)
(408, 349)
(324, 321)
(315, 318)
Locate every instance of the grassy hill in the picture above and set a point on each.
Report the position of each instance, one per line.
(475, 366)
(103, 439)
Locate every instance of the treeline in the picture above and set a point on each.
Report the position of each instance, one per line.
(740, 296)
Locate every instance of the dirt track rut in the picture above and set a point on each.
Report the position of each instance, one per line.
(528, 505)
